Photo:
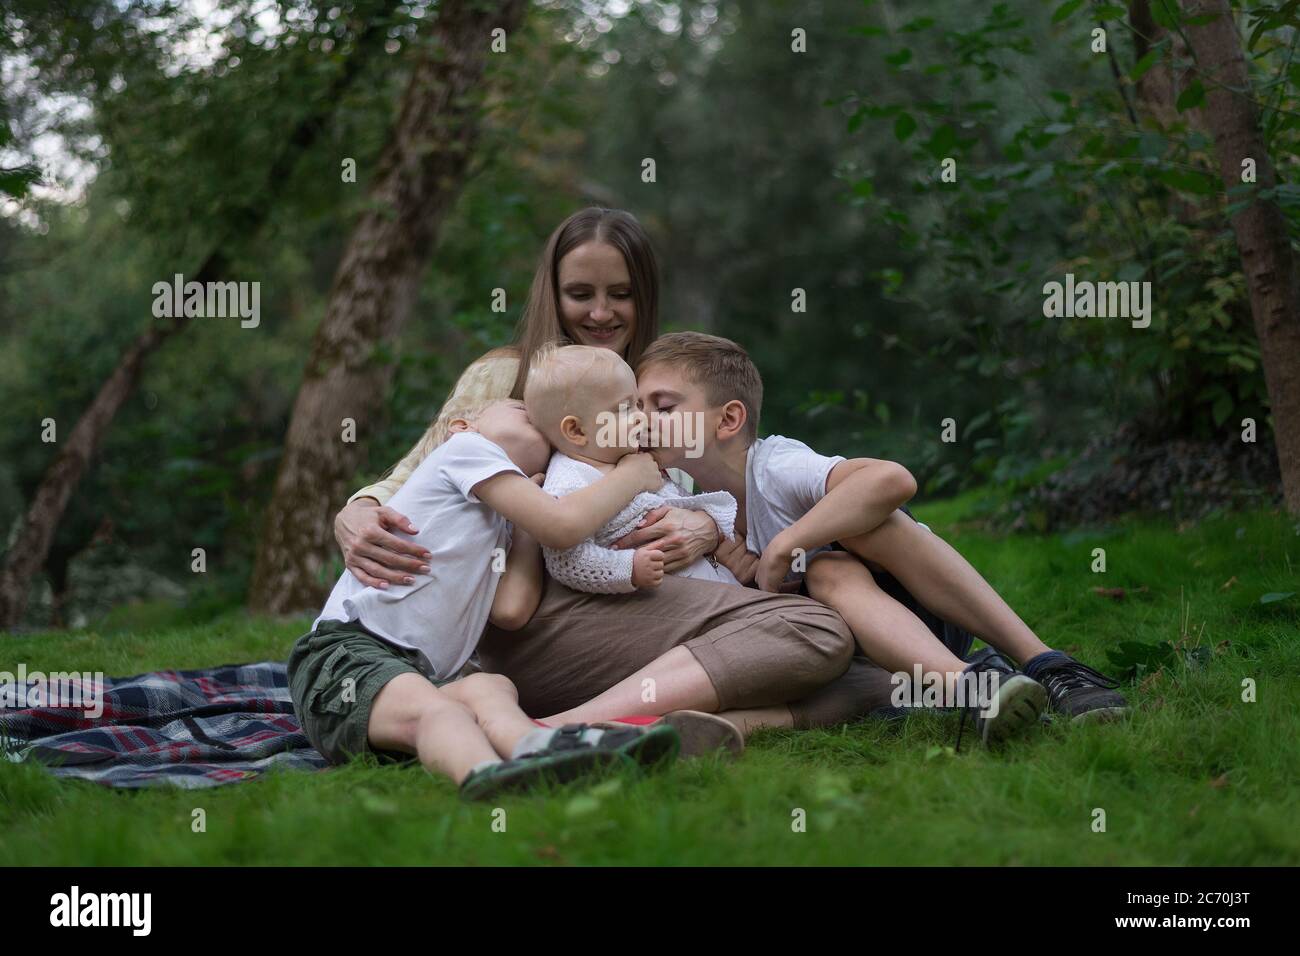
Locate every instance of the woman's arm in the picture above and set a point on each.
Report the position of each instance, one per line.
(374, 556)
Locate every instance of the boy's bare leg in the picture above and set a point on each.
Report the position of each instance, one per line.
(412, 716)
(943, 581)
(494, 701)
(673, 681)
(886, 631)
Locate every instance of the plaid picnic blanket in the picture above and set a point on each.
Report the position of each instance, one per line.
(190, 729)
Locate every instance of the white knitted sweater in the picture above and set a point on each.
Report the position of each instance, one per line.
(593, 566)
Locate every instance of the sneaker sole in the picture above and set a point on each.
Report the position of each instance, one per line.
(703, 733)
(1021, 701)
(1101, 715)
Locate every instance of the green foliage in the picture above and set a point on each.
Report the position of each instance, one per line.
(1054, 177)
(776, 171)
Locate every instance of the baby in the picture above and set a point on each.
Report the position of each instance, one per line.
(584, 400)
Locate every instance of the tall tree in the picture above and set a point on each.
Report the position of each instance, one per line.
(1259, 225)
(31, 546)
(419, 174)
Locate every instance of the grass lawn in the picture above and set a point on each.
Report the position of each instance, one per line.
(1196, 776)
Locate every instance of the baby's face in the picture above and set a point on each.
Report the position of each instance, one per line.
(506, 423)
(612, 416)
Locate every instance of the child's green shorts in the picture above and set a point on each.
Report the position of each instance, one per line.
(335, 674)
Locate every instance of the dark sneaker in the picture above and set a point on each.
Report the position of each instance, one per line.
(524, 773)
(650, 746)
(1079, 692)
(1016, 703)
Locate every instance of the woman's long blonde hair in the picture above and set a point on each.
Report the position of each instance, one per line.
(487, 379)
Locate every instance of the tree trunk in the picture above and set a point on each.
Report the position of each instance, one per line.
(1260, 228)
(31, 547)
(418, 178)
(1159, 88)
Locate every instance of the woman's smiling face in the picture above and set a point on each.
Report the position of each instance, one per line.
(596, 306)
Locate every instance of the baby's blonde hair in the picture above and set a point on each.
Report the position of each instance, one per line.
(556, 376)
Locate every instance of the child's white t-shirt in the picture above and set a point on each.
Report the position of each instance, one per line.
(784, 478)
(443, 614)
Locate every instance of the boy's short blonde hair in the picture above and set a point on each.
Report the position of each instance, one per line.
(721, 367)
(556, 376)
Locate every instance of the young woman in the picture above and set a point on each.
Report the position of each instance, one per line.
(597, 284)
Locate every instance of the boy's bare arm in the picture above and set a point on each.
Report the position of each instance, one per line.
(860, 494)
(561, 523)
(520, 589)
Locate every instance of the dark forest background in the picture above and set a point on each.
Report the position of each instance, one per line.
(140, 139)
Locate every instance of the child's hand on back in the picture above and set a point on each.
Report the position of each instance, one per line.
(644, 467)
(647, 568)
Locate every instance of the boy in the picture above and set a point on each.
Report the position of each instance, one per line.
(584, 400)
(379, 669)
(795, 504)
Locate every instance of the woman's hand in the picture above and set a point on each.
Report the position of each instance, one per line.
(374, 555)
(683, 536)
(736, 558)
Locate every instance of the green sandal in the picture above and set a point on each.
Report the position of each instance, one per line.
(655, 745)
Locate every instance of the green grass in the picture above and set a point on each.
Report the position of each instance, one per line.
(1196, 776)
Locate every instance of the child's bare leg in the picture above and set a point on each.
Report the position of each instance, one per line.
(673, 681)
(412, 716)
(888, 633)
(943, 581)
(494, 701)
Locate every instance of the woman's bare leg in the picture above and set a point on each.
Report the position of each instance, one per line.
(673, 681)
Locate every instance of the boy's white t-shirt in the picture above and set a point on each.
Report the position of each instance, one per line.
(443, 614)
(784, 478)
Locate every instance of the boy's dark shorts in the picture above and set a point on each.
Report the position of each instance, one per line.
(324, 666)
